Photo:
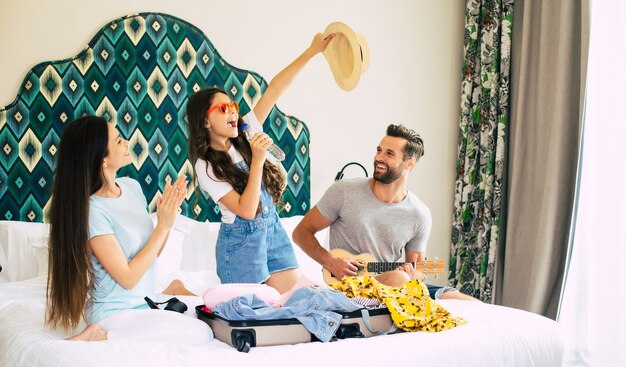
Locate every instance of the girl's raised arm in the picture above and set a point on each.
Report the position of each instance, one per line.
(283, 80)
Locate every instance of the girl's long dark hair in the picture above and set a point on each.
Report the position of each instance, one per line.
(222, 164)
(77, 176)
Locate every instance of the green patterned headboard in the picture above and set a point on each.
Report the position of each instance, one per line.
(137, 72)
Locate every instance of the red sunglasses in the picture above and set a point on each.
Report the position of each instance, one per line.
(224, 107)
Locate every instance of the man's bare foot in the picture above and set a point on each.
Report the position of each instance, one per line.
(177, 288)
(91, 333)
(458, 295)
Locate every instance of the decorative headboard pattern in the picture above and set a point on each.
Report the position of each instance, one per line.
(137, 72)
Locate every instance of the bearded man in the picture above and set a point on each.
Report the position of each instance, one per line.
(376, 215)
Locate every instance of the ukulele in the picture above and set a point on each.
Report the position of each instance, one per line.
(371, 267)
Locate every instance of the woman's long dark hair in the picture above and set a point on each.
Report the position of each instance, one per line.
(222, 164)
(78, 175)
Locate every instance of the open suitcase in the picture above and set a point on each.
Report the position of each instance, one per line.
(245, 334)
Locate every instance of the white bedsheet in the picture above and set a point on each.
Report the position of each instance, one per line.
(493, 336)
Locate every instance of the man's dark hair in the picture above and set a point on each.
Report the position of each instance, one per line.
(414, 145)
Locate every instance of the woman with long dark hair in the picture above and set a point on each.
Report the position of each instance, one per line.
(252, 246)
(103, 244)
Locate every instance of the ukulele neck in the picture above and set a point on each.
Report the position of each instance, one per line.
(381, 267)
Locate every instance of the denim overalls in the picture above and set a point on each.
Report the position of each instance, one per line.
(248, 251)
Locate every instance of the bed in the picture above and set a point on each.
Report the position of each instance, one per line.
(137, 72)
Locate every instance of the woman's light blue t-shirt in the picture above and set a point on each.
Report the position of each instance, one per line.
(127, 218)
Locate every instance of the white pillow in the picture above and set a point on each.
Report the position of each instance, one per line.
(40, 251)
(189, 255)
(170, 259)
(199, 244)
(308, 267)
(20, 254)
(168, 262)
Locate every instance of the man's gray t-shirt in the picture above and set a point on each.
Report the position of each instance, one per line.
(363, 223)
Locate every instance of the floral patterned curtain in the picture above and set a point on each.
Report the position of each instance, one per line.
(482, 135)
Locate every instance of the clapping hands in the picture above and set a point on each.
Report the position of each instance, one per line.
(169, 202)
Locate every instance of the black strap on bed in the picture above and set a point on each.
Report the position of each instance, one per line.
(172, 304)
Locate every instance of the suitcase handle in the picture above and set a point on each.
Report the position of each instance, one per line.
(366, 320)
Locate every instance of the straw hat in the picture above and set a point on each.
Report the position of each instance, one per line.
(347, 54)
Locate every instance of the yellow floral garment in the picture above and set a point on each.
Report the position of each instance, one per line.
(410, 306)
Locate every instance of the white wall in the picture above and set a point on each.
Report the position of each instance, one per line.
(414, 75)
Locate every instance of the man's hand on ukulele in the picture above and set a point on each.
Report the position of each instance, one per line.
(413, 274)
(340, 268)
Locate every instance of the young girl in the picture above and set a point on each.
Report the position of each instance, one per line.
(103, 245)
(252, 246)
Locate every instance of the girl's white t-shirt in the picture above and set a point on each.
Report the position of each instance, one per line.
(217, 188)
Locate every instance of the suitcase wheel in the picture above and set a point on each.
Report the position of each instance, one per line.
(242, 345)
(243, 340)
(346, 331)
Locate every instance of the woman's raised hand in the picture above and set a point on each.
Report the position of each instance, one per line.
(169, 202)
